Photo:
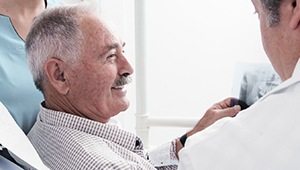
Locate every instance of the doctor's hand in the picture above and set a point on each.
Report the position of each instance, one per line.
(215, 112)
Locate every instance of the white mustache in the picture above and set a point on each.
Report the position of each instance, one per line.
(123, 80)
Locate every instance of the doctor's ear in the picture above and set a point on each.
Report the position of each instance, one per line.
(295, 20)
(57, 77)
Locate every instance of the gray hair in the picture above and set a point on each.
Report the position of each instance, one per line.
(272, 8)
(55, 33)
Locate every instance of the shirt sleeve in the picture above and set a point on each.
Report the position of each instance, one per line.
(163, 157)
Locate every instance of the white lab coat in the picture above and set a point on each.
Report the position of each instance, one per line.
(265, 136)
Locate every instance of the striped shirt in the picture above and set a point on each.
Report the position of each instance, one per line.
(65, 141)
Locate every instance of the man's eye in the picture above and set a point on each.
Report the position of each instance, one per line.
(112, 55)
(112, 58)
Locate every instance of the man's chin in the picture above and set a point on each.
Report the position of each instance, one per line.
(125, 105)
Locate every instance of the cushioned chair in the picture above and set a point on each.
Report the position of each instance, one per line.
(13, 138)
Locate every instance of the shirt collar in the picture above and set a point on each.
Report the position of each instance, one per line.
(106, 131)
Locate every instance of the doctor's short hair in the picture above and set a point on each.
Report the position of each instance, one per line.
(55, 33)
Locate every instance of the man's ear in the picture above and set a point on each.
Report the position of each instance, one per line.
(55, 71)
(295, 20)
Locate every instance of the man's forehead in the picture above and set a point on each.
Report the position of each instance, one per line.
(109, 39)
(111, 46)
(100, 35)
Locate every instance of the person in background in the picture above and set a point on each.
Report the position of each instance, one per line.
(17, 90)
(78, 63)
(266, 135)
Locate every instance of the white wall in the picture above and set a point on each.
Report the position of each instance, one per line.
(192, 49)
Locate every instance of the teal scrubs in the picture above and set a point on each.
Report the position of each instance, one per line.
(17, 90)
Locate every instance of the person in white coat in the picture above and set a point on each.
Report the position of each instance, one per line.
(266, 135)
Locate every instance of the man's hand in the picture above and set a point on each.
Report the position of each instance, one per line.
(217, 111)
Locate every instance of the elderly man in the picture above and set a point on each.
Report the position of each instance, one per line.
(266, 135)
(78, 63)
